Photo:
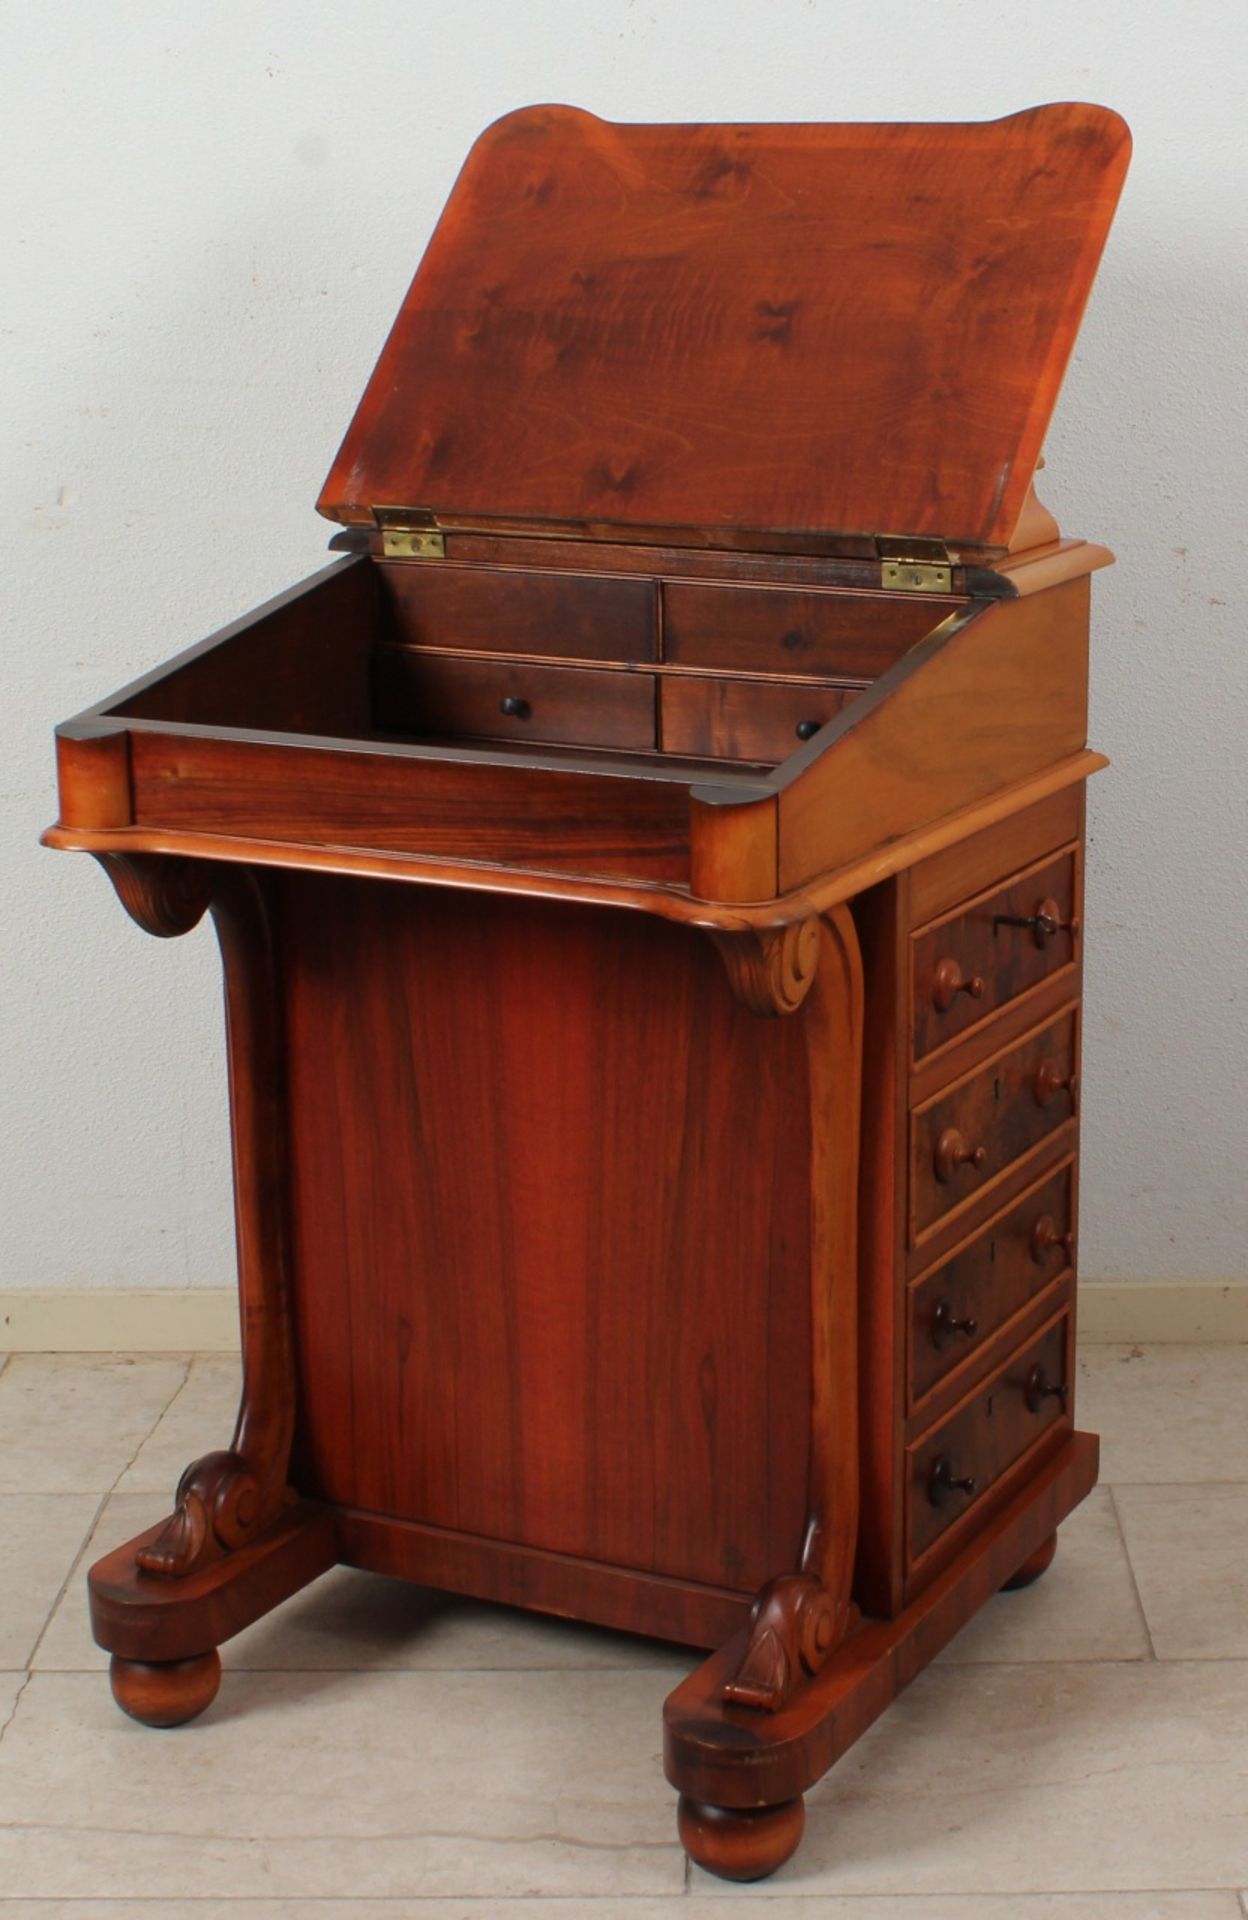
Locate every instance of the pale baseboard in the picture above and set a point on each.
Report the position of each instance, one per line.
(205, 1319)
(120, 1320)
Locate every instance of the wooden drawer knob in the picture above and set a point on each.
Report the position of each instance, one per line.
(1049, 1081)
(1038, 1388)
(514, 708)
(945, 1323)
(1045, 1236)
(1045, 923)
(947, 984)
(952, 1152)
(941, 1481)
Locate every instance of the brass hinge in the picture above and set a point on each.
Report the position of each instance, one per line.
(914, 566)
(409, 534)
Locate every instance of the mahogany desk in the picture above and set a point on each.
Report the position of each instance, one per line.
(648, 874)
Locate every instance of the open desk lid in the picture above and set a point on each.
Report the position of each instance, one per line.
(823, 332)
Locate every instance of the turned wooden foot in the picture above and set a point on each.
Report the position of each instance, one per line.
(740, 1843)
(1033, 1566)
(165, 1693)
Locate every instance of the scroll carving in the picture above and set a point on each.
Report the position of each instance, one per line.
(772, 969)
(228, 1498)
(801, 1617)
(220, 1505)
(794, 1625)
(166, 896)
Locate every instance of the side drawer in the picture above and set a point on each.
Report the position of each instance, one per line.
(957, 1307)
(427, 693)
(985, 1436)
(845, 636)
(508, 610)
(964, 1137)
(743, 719)
(964, 967)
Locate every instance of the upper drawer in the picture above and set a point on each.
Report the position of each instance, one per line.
(427, 693)
(779, 630)
(964, 967)
(966, 1136)
(574, 616)
(742, 719)
(958, 1307)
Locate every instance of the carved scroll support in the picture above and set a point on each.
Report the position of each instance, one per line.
(800, 1618)
(771, 969)
(227, 1499)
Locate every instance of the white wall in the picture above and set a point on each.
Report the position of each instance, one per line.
(211, 214)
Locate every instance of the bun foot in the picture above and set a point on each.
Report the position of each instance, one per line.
(1033, 1566)
(740, 1843)
(165, 1693)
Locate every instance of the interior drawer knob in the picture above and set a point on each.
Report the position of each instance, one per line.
(1038, 1388)
(1045, 923)
(1049, 1081)
(1045, 1236)
(942, 1481)
(952, 1152)
(945, 1323)
(807, 729)
(947, 984)
(514, 708)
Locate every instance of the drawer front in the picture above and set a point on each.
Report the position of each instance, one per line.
(966, 966)
(574, 616)
(850, 636)
(966, 1136)
(986, 1435)
(956, 1309)
(428, 694)
(743, 719)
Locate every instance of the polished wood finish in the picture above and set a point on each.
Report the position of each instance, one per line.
(725, 351)
(430, 694)
(652, 936)
(510, 610)
(166, 1693)
(743, 719)
(752, 630)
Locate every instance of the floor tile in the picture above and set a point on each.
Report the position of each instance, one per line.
(198, 1420)
(349, 1620)
(1121, 1776)
(1189, 1549)
(40, 1538)
(344, 1786)
(1167, 1414)
(71, 1423)
(747, 1906)
(1083, 1608)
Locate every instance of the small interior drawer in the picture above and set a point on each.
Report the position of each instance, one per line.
(964, 1137)
(743, 719)
(429, 694)
(981, 1440)
(968, 964)
(957, 1308)
(575, 616)
(846, 636)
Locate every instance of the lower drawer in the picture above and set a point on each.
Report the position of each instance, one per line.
(743, 719)
(954, 1465)
(428, 693)
(958, 1306)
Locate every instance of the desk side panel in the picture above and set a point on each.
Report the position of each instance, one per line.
(551, 1231)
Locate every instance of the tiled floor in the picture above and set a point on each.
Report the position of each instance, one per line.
(1079, 1753)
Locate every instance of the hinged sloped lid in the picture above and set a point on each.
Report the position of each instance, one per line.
(803, 330)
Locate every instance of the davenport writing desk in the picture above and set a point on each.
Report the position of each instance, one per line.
(647, 866)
